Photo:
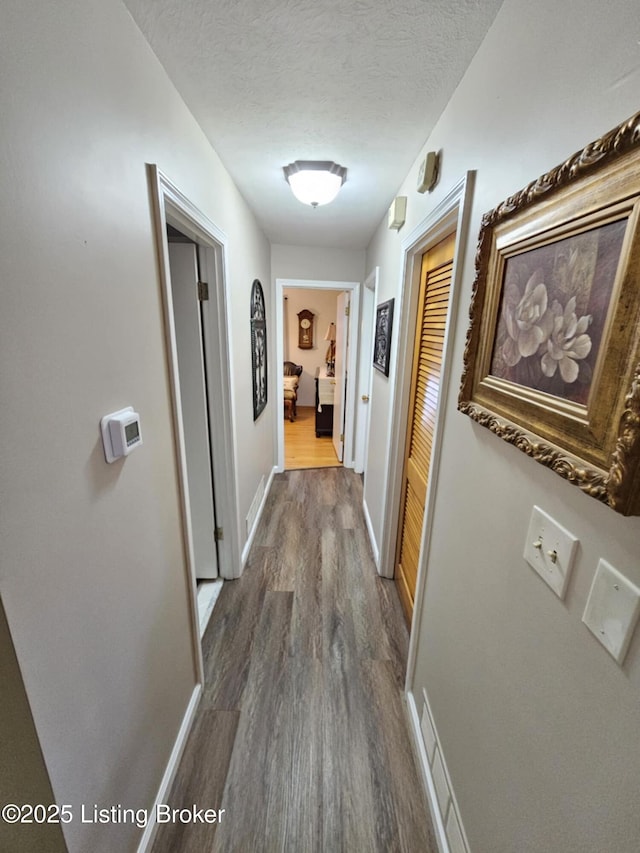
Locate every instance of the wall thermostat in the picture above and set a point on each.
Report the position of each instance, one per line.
(120, 433)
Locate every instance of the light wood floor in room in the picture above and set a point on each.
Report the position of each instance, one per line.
(301, 734)
(301, 447)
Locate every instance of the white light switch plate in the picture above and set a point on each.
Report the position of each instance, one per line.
(612, 610)
(550, 550)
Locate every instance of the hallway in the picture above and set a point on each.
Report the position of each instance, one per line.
(301, 733)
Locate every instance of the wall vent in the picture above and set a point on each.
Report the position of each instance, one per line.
(255, 506)
(442, 797)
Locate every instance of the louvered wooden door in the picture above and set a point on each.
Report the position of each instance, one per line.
(433, 304)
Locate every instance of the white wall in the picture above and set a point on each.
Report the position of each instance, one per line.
(538, 725)
(323, 304)
(317, 264)
(92, 575)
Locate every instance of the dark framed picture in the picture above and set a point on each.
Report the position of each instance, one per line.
(382, 336)
(552, 361)
(258, 348)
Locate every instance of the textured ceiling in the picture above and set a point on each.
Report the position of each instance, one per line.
(361, 82)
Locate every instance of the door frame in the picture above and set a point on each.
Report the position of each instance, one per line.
(351, 366)
(365, 370)
(341, 350)
(451, 214)
(172, 207)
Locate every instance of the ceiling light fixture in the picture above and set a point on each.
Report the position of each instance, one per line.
(315, 182)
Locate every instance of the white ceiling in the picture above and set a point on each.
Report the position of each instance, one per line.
(360, 82)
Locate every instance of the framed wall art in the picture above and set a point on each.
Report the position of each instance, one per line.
(258, 348)
(382, 336)
(552, 358)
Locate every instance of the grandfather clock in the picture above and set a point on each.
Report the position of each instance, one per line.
(305, 329)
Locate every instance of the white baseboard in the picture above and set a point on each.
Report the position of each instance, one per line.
(170, 771)
(372, 536)
(252, 532)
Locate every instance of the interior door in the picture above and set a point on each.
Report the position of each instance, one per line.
(183, 264)
(365, 369)
(342, 340)
(433, 306)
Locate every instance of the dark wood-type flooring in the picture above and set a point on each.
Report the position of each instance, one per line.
(301, 734)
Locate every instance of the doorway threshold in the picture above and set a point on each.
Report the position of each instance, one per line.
(208, 592)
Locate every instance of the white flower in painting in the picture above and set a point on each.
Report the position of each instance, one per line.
(527, 319)
(567, 343)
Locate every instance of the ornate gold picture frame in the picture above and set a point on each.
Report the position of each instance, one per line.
(552, 359)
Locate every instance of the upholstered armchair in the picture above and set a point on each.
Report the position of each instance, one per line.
(292, 373)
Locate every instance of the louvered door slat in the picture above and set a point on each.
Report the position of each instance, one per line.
(425, 391)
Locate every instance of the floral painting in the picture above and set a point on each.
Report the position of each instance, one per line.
(552, 357)
(553, 310)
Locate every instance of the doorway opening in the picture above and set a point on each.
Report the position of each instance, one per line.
(191, 252)
(450, 216)
(316, 339)
(186, 263)
(313, 343)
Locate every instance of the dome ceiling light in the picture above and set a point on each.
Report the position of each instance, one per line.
(315, 182)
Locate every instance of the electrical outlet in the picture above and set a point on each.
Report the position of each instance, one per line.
(612, 610)
(550, 550)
